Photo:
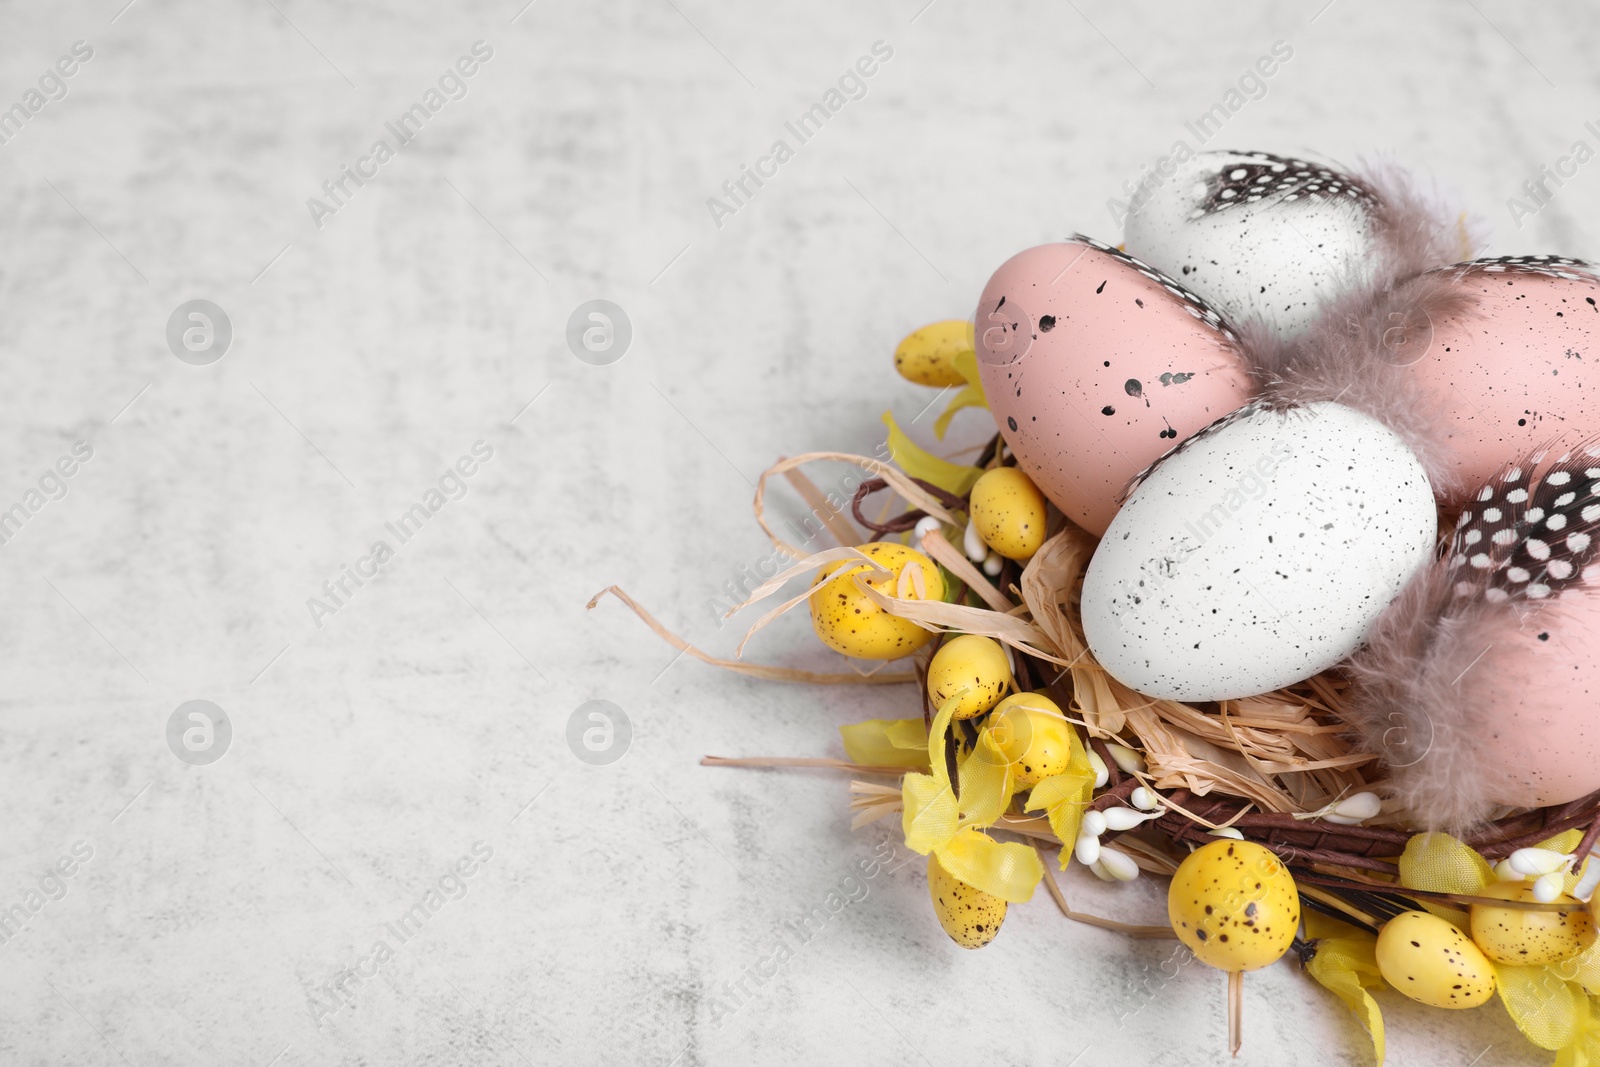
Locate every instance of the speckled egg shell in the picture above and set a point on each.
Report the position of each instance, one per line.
(851, 624)
(1009, 512)
(1514, 371)
(1234, 905)
(1543, 682)
(1430, 961)
(1529, 938)
(970, 916)
(971, 669)
(1257, 235)
(1258, 554)
(1094, 365)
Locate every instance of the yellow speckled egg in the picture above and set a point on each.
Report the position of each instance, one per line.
(972, 663)
(1529, 938)
(1008, 510)
(1234, 904)
(927, 356)
(1033, 735)
(1430, 961)
(970, 916)
(848, 622)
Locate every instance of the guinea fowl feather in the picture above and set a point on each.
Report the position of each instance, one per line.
(1526, 539)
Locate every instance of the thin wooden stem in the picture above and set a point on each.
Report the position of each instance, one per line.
(797, 761)
(1463, 899)
(1153, 933)
(1370, 921)
(1235, 1011)
(1586, 846)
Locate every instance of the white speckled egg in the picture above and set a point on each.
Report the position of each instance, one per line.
(1257, 553)
(1256, 235)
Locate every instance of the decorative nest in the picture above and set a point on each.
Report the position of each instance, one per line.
(1272, 769)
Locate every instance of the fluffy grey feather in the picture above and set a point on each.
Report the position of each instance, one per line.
(1416, 226)
(1409, 706)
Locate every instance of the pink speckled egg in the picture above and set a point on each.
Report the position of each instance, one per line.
(1542, 743)
(1094, 365)
(1514, 370)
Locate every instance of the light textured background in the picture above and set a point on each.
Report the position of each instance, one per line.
(431, 710)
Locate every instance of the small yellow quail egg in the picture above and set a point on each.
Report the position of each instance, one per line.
(1234, 904)
(848, 622)
(927, 356)
(1430, 961)
(972, 663)
(1008, 510)
(1529, 938)
(1031, 731)
(970, 916)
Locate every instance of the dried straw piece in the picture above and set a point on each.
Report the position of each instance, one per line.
(1011, 630)
(754, 670)
(898, 481)
(832, 517)
(930, 614)
(940, 550)
(871, 801)
(812, 562)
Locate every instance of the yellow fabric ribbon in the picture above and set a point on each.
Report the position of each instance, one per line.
(932, 814)
(1346, 963)
(887, 743)
(1065, 797)
(1584, 1049)
(933, 820)
(917, 462)
(971, 395)
(1010, 871)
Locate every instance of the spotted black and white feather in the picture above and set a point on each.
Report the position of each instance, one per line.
(1553, 266)
(1258, 176)
(1530, 533)
(1529, 536)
